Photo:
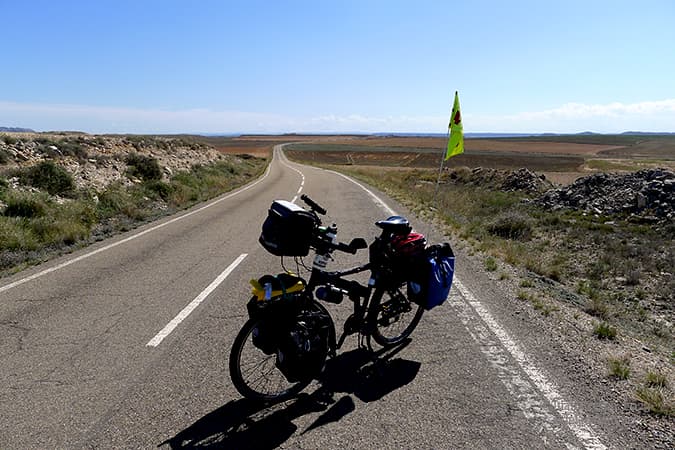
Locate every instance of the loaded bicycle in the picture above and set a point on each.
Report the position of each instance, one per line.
(289, 335)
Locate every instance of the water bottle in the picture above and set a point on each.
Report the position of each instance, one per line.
(329, 294)
(268, 291)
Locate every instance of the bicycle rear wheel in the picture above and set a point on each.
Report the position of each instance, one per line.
(393, 316)
(255, 374)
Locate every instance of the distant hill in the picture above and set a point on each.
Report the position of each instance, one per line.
(16, 130)
(644, 133)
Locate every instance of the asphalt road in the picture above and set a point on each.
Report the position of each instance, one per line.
(77, 369)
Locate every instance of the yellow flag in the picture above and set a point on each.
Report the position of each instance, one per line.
(456, 140)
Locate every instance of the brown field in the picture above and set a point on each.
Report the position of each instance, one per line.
(491, 145)
(562, 159)
(235, 146)
(432, 160)
(261, 145)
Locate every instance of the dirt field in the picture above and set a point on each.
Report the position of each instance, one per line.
(555, 163)
(495, 145)
(562, 159)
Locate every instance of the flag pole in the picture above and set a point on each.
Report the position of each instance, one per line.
(440, 170)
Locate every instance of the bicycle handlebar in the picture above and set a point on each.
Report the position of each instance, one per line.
(341, 246)
(313, 205)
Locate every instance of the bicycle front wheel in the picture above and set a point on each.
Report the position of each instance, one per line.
(255, 374)
(393, 316)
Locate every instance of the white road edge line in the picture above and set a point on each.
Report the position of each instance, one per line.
(155, 341)
(582, 431)
(378, 201)
(131, 238)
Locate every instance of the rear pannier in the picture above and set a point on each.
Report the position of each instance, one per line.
(432, 280)
(288, 229)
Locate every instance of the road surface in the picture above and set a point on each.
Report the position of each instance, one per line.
(124, 345)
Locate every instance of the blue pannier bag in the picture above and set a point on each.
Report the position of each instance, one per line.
(435, 277)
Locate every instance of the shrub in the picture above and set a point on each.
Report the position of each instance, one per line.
(632, 277)
(656, 380)
(619, 368)
(522, 295)
(603, 330)
(526, 283)
(4, 156)
(113, 200)
(655, 400)
(25, 205)
(9, 139)
(15, 236)
(511, 225)
(597, 305)
(60, 230)
(490, 264)
(70, 148)
(144, 167)
(49, 177)
(161, 189)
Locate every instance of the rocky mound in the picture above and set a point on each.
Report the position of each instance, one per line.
(96, 161)
(522, 180)
(648, 194)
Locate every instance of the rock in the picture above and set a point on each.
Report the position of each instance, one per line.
(649, 193)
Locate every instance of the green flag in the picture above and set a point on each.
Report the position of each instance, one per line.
(456, 140)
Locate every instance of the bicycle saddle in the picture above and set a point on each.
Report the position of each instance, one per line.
(395, 225)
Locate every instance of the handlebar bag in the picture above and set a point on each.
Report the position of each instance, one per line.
(288, 229)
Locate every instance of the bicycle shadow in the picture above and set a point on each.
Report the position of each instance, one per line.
(247, 424)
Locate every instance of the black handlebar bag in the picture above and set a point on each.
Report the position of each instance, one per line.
(288, 229)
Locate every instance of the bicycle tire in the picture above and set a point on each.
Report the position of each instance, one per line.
(402, 311)
(280, 390)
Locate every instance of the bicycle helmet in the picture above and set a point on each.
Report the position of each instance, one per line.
(395, 225)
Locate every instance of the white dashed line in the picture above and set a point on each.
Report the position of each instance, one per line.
(130, 238)
(154, 342)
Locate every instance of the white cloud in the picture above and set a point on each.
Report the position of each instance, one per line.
(575, 117)
(570, 117)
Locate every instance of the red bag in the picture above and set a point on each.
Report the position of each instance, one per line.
(409, 245)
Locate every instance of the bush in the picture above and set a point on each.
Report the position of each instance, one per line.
(161, 189)
(70, 148)
(619, 368)
(655, 401)
(4, 156)
(603, 330)
(511, 226)
(9, 139)
(144, 167)
(656, 380)
(49, 177)
(14, 237)
(25, 205)
(113, 200)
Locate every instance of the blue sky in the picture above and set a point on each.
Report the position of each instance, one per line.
(337, 66)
